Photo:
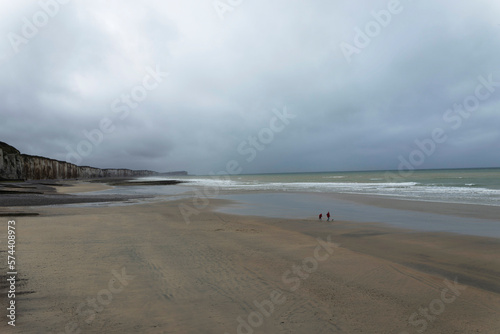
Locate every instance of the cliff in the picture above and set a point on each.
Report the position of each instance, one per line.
(15, 166)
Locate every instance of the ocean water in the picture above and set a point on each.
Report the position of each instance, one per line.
(471, 186)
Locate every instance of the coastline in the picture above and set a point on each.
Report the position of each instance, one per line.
(205, 275)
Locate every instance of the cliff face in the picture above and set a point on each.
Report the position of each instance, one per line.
(14, 165)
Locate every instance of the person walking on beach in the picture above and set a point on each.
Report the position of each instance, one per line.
(328, 216)
(320, 216)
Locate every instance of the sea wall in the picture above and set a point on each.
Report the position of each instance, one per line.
(15, 166)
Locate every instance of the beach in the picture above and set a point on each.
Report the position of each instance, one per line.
(249, 167)
(144, 268)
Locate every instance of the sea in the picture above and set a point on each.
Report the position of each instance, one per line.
(467, 186)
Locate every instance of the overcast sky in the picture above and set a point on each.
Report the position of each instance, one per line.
(274, 86)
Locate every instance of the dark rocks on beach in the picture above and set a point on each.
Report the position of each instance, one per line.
(19, 214)
(146, 183)
(26, 200)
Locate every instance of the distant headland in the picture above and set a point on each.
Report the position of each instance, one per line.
(17, 166)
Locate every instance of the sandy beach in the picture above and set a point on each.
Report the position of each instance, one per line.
(144, 269)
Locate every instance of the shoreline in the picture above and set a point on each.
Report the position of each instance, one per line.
(49, 187)
(344, 206)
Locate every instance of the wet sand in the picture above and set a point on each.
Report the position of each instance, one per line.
(73, 187)
(144, 269)
(26, 196)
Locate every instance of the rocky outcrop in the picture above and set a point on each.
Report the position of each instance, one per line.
(17, 166)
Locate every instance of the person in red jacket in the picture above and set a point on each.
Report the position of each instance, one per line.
(320, 216)
(328, 216)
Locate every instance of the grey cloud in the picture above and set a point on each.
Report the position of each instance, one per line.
(226, 77)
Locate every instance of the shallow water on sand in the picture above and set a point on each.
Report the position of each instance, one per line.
(308, 206)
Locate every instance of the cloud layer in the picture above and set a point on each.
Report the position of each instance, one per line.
(74, 69)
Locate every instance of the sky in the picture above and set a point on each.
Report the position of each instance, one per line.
(257, 86)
